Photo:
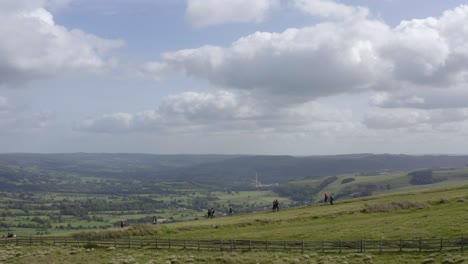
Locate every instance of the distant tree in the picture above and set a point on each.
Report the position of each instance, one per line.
(347, 180)
(421, 177)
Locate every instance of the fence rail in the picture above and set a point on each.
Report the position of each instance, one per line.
(361, 245)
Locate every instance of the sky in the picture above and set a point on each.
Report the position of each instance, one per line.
(293, 77)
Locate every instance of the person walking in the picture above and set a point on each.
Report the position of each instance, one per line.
(325, 198)
(331, 199)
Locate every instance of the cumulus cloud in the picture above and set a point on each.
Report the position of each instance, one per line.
(352, 53)
(330, 9)
(33, 46)
(202, 13)
(303, 63)
(223, 112)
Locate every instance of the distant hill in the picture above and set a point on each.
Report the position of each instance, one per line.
(281, 169)
(34, 170)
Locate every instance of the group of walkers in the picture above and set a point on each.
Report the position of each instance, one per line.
(211, 212)
(327, 198)
(275, 206)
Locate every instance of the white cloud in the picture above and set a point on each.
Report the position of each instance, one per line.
(349, 55)
(33, 46)
(423, 98)
(202, 13)
(330, 9)
(224, 112)
(117, 122)
(415, 119)
(13, 119)
(303, 63)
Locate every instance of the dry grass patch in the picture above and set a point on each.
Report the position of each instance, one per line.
(393, 206)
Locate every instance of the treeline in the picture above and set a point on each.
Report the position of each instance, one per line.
(422, 177)
(362, 190)
(26, 204)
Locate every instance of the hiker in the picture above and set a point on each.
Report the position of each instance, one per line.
(331, 199)
(122, 224)
(208, 215)
(325, 199)
(212, 212)
(230, 211)
(155, 220)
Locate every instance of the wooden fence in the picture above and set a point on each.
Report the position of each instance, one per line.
(380, 246)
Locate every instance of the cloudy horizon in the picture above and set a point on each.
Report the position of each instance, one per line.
(296, 77)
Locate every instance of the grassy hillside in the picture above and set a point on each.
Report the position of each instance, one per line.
(366, 184)
(429, 213)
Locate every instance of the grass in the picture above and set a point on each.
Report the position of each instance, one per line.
(52, 255)
(412, 215)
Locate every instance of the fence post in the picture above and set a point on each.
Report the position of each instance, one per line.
(401, 244)
(323, 246)
(221, 245)
(141, 242)
(420, 244)
(285, 245)
(441, 244)
(169, 243)
(462, 243)
(250, 244)
(234, 244)
(380, 246)
(198, 244)
(302, 246)
(266, 245)
(129, 242)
